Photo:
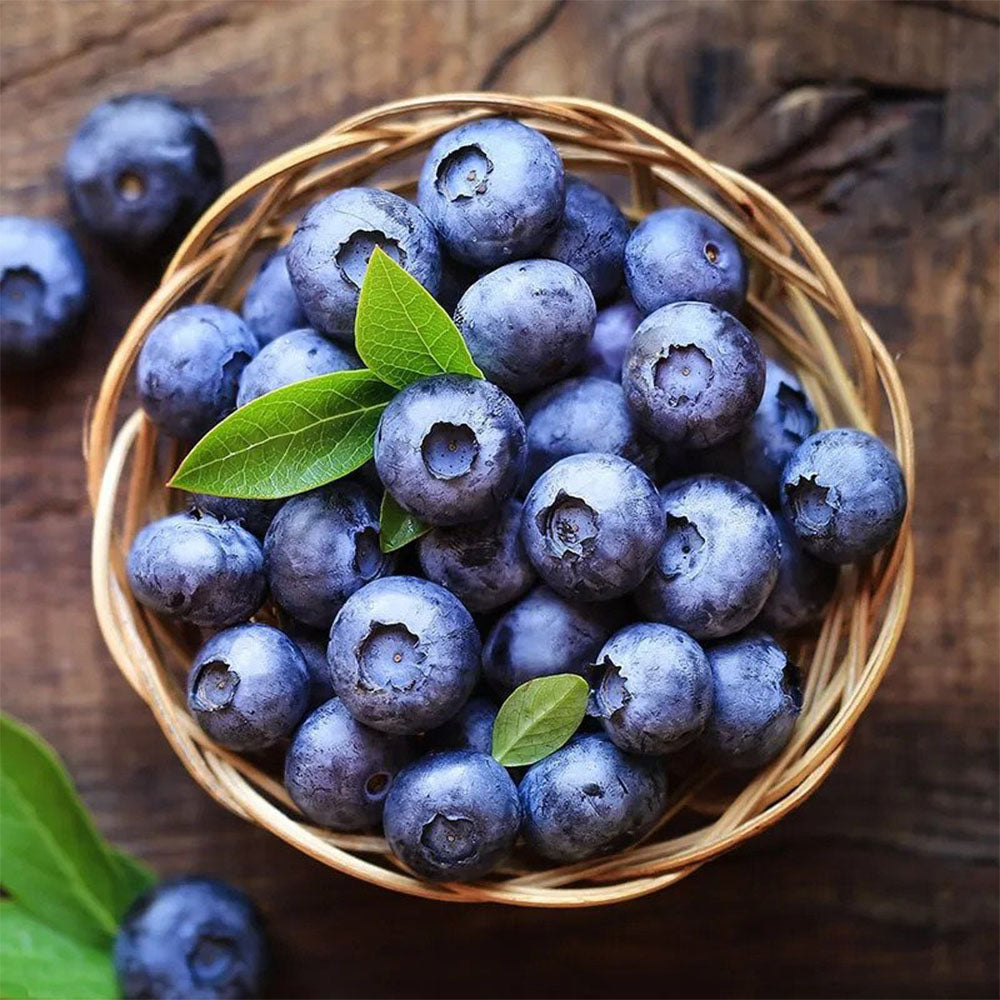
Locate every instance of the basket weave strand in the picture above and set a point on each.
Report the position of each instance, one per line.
(796, 298)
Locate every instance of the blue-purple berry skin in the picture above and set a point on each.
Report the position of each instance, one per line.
(804, 587)
(140, 170)
(590, 798)
(471, 728)
(338, 772)
(189, 369)
(270, 306)
(613, 330)
(451, 449)
(693, 374)
(527, 324)
(254, 515)
(248, 687)
(292, 357)
(591, 238)
(455, 281)
(843, 492)
(452, 816)
(321, 547)
(592, 526)
(329, 253)
(199, 569)
(545, 634)
(757, 699)
(719, 559)
(44, 292)
(494, 191)
(683, 255)
(654, 694)
(484, 563)
(312, 645)
(404, 654)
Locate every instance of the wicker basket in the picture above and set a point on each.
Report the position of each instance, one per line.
(795, 297)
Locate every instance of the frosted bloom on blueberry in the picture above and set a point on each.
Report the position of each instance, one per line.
(270, 306)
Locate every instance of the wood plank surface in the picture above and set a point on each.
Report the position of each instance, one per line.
(877, 122)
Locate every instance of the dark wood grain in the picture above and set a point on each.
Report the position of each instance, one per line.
(878, 124)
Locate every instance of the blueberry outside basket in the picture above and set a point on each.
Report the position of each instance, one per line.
(795, 297)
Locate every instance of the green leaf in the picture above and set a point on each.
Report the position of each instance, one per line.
(401, 332)
(52, 859)
(131, 878)
(538, 718)
(397, 527)
(37, 961)
(291, 440)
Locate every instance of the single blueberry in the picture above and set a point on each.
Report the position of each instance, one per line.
(613, 330)
(494, 191)
(329, 253)
(248, 687)
(452, 816)
(321, 547)
(844, 493)
(197, 568)
(693, 374)
(450, 449)
(682, 255)
(140, 171)
(404, 654)
(592, 526)
(527, 324)
(545, 634)
(484, 563)
(196, 938)
(338, 772)
(189, 369)
(471, 728)
(590, 798)
(255, 515)
(270, 306)
(455, 281)
(312, 646)
(756, 701)
(44, 292)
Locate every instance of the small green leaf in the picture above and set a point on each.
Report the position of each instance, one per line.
(291, 440)
(38, 962)
(538, 718)
(397, 527)
(401, 332)
(131, 878)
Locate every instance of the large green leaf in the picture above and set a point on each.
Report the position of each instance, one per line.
(291, 440)
(397, 527)
(130, 878)
(538, 718)
(401, 332)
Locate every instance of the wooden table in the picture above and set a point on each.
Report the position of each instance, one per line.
(878, 124)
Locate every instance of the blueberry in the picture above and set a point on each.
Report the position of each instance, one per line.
(193, 937)
(189, 369)
(404, 654)
(312, 646)
(591, 238)
(719, 559)
(545, 634)
(756, 701)
(844, 493)
(270, 306)
(248, 687)
(141, 169)
(804, 587)
(292, 357)
(590, 798)
(450, 449)
(655, 692)
(255, 515)
(470, 729)
(321, 547)
(452, 816)
(527, 324)
(44, 291)
(455, 281)
(613, 330)
(330, 249)
(693, 374)
(592, 526)
(197, 568)
(579, 415)
(338, 772)
(758, 453)
(484, 563)
(494, 191)
(682, 255)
